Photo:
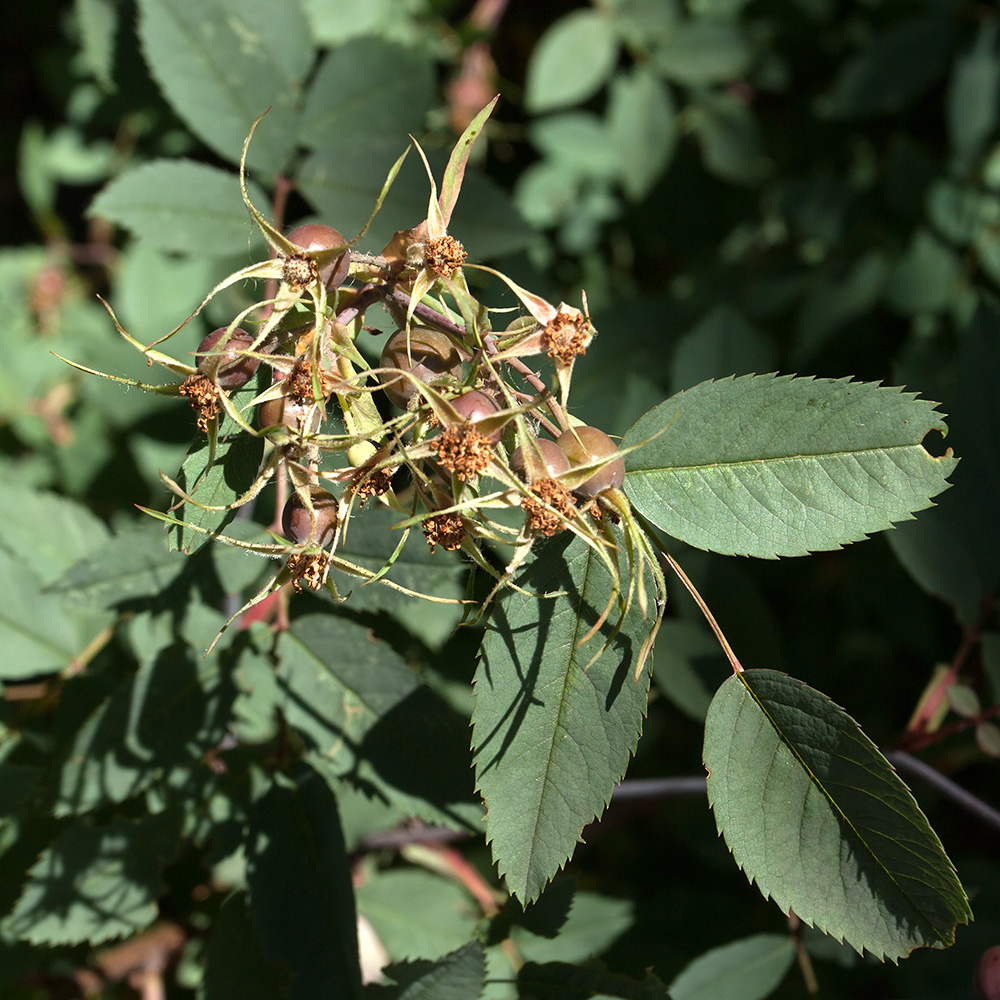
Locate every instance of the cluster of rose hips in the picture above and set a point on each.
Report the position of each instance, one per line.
(451, 428)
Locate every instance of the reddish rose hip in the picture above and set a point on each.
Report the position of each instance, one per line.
(428, 355)
(582, 445)
(316, 237)
(284, 411)
(473, 406)
(554, 461)
(232, 368)
(987, 979)
(318, 527)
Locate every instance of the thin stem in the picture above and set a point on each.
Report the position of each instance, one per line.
(703, 607)
(805, 962)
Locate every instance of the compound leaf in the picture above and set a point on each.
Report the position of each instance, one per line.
(817, 817)
(552, 735)
(767, 465)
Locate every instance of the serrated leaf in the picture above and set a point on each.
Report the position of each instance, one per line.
(299, 881)
(131, 565)
(221, 64)
(458, 975)
(767, 465)
(561, 981)
(817, 817)
(389, 900)
(729, 137)
(593, 924)
(748, 969)
(368, 720)
(551, 738)
(181, 206)
(94, 883)
(573, 58)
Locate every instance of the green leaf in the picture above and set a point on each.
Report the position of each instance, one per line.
(370, 542)
(748, 969)
(685, 653)
(571, 61)
(357, 129)
(299, 880)
(234, 964)
(925, 278)
(182, 206)
(702, 52)
(730, 141)
(132, 565)
(768, 465)
(551, 738)
(643, 129)
(221, 64)
(578, 141)
(217, 480)
(40, 632)
(892, 69)
(953, 551)
(389, 899)
(368, 720)
(593, 924)
(722, 342)
(94, 883)
(560, 981)
(973, 94)
(817, 817)
(98, 22)
(459, 975)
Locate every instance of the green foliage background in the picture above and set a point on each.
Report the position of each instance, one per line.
(793, 186)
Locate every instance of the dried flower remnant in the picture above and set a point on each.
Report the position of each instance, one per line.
(444, 255)
(543, 514)
(299, 271)
(308, 569)
(446, 530)
(463, 450)
(365, 485)
(203, 397)
(567, 335)
(301, 388)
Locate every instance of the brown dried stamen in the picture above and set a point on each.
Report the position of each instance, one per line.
(444, 255)
(463, 450)
(299, 271)
(567, 335)
(446, 530)
(371, 484)
(308, 569)
(543, 514)
(300, 383)
(203, 397)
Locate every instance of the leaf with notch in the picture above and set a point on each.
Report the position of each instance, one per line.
(767, 465)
